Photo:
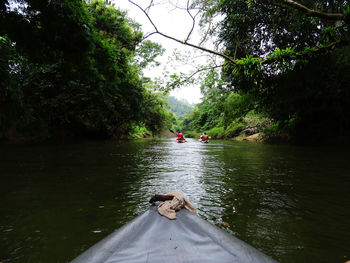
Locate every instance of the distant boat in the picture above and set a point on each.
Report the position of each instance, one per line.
(153, 238)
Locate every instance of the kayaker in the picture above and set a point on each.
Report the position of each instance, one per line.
(180, 137)
(204, 137)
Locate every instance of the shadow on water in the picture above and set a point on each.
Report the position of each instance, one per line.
(292, 203)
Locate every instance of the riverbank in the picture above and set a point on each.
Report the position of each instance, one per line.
(244, 135)
(274, 138)
(255, 138)
(248, 135)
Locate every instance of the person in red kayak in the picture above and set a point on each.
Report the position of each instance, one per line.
(180, 137)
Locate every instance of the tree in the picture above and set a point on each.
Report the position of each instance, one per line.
(71, 67)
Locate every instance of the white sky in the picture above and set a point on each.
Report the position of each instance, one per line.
(173, 22)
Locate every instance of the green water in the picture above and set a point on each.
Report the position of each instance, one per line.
(57, 199)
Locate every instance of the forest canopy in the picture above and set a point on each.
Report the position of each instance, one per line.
(70, 67)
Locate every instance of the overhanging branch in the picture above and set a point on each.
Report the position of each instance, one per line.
(197, 72)
(313, 13)
(156, 31)
(304, 9)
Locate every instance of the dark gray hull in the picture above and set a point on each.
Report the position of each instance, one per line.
(153, 238)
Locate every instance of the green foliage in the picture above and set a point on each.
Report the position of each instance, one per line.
(190, 122)
(250, 3)
(179, 107)
(329, 33)
(191, 134)
(156, 117)
(174, 82)
(236, 106)
(281, 54)
(234, 129)
(139, 131)
(304, 76)
(216, 132)
(147, 52)
(248, 120)
(280, 131)
(257, 120)
(69, 69)
(248, 66)
(226, 118)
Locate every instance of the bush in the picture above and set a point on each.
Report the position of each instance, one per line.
(234, 129)
(138, 131)
(191, 134)
(258, 120)
(216, 132)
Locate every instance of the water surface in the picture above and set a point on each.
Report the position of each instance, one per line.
(58, 199)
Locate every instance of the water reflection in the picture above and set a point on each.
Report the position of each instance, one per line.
(58, 199)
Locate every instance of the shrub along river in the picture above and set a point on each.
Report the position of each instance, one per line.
(290, 202)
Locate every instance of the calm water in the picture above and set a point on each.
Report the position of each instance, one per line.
(57, 199)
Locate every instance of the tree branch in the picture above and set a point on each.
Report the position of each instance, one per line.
(149, 6)
(198, 71)
(146, 13)
(193, 21)
(264, 61)
(313, 13)
(180, 41)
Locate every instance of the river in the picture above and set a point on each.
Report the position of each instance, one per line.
(290, 202)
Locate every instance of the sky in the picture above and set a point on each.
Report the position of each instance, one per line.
(171, 21)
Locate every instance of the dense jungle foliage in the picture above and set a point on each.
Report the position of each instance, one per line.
(289, 73)
(70, 67)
